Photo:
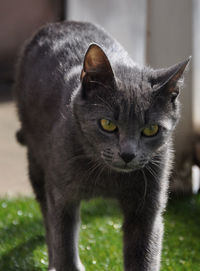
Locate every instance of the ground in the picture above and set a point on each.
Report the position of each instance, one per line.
(22, 242)
(13, 164)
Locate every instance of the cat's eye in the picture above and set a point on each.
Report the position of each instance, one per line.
(108, 125)
(150, 130)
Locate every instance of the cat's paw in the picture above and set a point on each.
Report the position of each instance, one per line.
(81, 267)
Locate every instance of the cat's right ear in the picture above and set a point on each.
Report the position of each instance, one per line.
(96, 68)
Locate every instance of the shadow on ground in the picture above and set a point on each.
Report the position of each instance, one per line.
(24, 243)
(20, 241)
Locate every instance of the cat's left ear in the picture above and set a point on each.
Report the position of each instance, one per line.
(168, 81)
(96, 65)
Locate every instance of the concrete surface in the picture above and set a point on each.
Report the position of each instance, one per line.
(13, 164)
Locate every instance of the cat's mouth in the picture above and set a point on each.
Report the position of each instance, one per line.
(121, 166)
(125, 168)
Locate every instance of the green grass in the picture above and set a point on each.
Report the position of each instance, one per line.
(22, 242)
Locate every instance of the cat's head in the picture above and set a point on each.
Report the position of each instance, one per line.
(126, 115)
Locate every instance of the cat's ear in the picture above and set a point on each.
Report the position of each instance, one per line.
(96, 66)
(168, 81)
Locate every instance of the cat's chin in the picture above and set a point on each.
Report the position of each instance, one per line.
(123, 169)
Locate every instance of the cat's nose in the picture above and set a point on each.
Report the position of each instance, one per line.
(127, 156)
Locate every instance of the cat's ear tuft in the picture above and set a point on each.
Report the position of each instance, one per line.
(169, 80)
(96, 63)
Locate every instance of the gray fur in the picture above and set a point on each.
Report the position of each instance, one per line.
(72, 159)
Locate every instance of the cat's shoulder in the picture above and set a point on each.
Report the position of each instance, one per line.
(51, 34)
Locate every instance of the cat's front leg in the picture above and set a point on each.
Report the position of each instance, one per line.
(142, 242)
(63, 221)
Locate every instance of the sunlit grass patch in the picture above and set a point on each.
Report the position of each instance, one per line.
(22, 241)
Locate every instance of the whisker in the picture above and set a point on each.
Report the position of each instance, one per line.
(145, 191)
(62, 115)
(152, 172)
(93, 168)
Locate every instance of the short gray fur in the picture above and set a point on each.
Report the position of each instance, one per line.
(72, 159)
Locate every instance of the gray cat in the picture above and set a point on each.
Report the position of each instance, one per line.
(95, 124)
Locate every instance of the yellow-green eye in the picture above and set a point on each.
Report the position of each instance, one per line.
(151, 130)
(108, 125)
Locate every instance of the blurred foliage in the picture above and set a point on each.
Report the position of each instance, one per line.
(22, 241)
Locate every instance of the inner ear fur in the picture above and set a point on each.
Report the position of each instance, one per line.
(96, 63)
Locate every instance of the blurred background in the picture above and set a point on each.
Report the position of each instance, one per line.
(158, 33)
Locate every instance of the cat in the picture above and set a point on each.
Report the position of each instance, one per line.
(96, 125)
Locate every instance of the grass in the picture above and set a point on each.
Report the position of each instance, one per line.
(22, 242)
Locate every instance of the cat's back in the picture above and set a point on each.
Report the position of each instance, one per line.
(41, 85)
(57, 48)
(51, 55)
(49, 70)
